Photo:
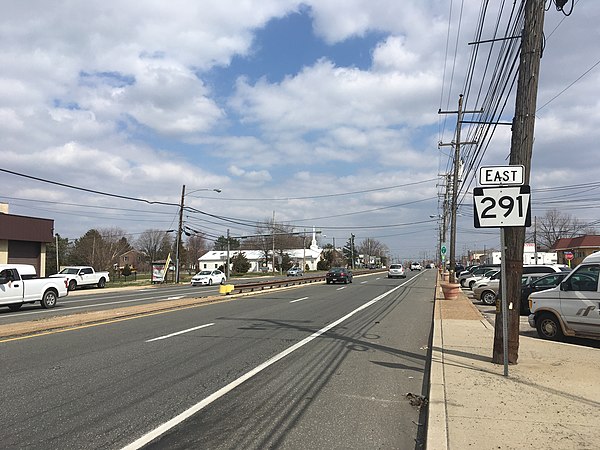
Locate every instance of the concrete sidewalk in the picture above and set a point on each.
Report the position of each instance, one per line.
(550, 400)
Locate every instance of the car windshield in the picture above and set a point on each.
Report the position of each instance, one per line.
(395, 266)
(337, 270)
(204, 272)
(69, 271)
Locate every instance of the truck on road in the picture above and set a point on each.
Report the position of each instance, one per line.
(83, 276)
(19, 285)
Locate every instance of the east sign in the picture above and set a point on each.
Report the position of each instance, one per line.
(501, 175)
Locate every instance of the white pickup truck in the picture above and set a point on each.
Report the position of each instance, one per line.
(19, 285)
(83, 276)
(573, 307)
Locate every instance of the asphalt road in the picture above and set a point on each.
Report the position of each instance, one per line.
(94, 299)
(311, 367)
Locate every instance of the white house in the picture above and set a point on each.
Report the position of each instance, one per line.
(309, 256)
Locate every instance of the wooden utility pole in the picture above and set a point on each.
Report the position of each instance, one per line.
(520, 154)
(454, 204)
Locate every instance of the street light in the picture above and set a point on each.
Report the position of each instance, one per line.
(180, 228)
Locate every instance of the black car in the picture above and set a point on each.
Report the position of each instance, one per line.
(338, 274)
(541, 284)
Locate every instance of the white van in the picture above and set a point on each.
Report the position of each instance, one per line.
(573, 307)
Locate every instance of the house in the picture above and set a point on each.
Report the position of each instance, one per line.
(309, 256)
(23, 239)
(136, 260)
(579, 247)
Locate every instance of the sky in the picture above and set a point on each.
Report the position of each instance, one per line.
(321, 114)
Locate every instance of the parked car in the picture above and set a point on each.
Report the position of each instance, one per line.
(476, 272)
(338, 274)
(295, 272)
(486, 290)
(571, 308)
(474, 278)
(396, 271)
(538, 285)
(208, 277)
(415, 266)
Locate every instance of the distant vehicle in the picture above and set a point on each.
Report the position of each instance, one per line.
(430, 266)
(83, 276)
(208, 277)
(338, 274)
(295, 272)
(396, 271)
(19, 285)
(415, 266)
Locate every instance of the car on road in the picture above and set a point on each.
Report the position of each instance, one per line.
(415, 266)
(338, 275)
(295, 272)
(396, 271)
(208, 277)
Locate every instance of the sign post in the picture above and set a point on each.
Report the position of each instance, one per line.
(504, 202)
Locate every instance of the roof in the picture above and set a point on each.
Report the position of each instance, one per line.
(586, 241)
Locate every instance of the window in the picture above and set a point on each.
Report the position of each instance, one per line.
(584, 279)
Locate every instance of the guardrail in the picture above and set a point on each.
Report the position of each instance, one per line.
(264, 285)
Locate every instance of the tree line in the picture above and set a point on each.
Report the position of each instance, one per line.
(102, 248)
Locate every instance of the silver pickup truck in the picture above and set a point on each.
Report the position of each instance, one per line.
(19, 285)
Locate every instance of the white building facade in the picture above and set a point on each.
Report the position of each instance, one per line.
(306, 258)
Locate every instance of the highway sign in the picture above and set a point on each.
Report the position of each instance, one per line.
(502, 206)
(501, 175)
(443, 249)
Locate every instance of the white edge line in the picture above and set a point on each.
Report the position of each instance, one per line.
(150, 436)
(179, 332)
(299, 300)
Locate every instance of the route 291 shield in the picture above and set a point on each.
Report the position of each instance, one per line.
(502, 206)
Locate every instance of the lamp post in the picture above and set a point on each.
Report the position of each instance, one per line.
(180, 227)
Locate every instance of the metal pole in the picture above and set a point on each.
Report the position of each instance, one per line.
(504, 301)
(57, 266)
(179, 231)
(227, 265)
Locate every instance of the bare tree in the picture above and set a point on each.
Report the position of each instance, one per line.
(100, 248)
(372, 247)
(155, 244)
(555, 225)
(196, 247)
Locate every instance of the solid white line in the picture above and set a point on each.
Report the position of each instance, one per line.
(179, 332)
(175, 298)
(299, 300)
(150, 436)
(340, 288)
